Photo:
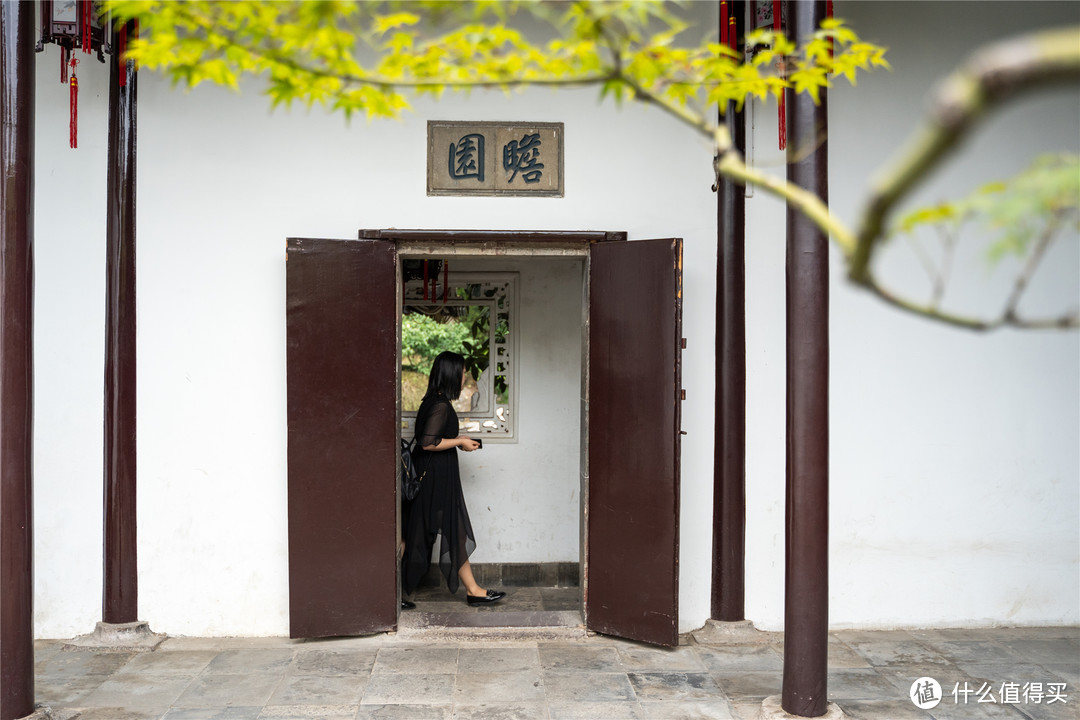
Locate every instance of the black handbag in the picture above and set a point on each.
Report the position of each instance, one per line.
(410, 479)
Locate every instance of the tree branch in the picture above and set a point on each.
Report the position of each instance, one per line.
(1029, 268)
(992, 76)
(730, 164)
(1066, 321)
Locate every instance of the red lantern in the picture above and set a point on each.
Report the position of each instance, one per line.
(73, 25)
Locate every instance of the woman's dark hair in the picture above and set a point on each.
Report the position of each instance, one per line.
(445, 378)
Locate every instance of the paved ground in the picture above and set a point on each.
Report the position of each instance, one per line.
(556, 673)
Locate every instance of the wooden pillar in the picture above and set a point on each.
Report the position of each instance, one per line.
(806, 600)
(120, 587)
(729, 463)
(16, 359)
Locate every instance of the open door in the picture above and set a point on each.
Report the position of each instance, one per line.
(342, 456)
(634, 389)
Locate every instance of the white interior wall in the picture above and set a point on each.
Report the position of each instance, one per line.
(954, 463)
(524, 495)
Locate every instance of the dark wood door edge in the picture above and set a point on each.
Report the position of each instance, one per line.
(582, 237)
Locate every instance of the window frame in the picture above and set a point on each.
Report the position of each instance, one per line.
(509, 283)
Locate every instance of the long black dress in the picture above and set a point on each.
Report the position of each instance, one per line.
(439, 508)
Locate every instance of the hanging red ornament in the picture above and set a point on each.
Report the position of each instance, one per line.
(73, 25)
(723, 22)
(73, 125)
(829, 15)
(781, 118)
(425, 279)
(121, 47)
(86, 29)
(445, 279)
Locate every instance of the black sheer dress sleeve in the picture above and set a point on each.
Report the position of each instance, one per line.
(430, 425)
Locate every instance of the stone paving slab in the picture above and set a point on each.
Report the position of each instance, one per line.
(564, 710)
(142, 692)
(716, 709)
(218, 691)
(593, 687)
(313, 690)
(328, 662)
(392, 689)
(495, 688)
(577, 658)
(226, 713)
(501, 711)
(391, 677)
(498, 660)
(642, 658)
(405, 712)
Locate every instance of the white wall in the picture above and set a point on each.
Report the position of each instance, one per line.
(954, 458)
(222, 182)
(955, 486)
(524, 496)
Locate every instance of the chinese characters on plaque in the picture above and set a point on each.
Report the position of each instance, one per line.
(491, 158)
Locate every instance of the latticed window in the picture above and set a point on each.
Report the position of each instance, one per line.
(472, 315)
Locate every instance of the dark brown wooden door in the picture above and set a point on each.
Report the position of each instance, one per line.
(342, 456)
(635, 333)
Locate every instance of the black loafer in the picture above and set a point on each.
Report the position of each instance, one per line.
(408, 605)
(492, 596)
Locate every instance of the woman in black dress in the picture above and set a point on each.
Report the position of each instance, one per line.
(440, 509)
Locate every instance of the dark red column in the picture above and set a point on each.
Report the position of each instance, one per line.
(806, 600)
(16, 359)
(729, 463)
(121, 590)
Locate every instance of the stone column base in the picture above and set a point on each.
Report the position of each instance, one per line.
(772, 710)
(118, 637)
(717, 632)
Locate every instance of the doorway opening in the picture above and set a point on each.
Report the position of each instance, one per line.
(344, 301)
(518, 320)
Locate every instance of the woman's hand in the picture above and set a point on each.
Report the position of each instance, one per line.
(467, 443)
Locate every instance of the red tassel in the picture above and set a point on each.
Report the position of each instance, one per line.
(425, 280)
(781, 119)
(87, 25)
(445, 279)
(733, 38)
(121, 46)
(723, 22)
(829, 15)
(73, 127)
